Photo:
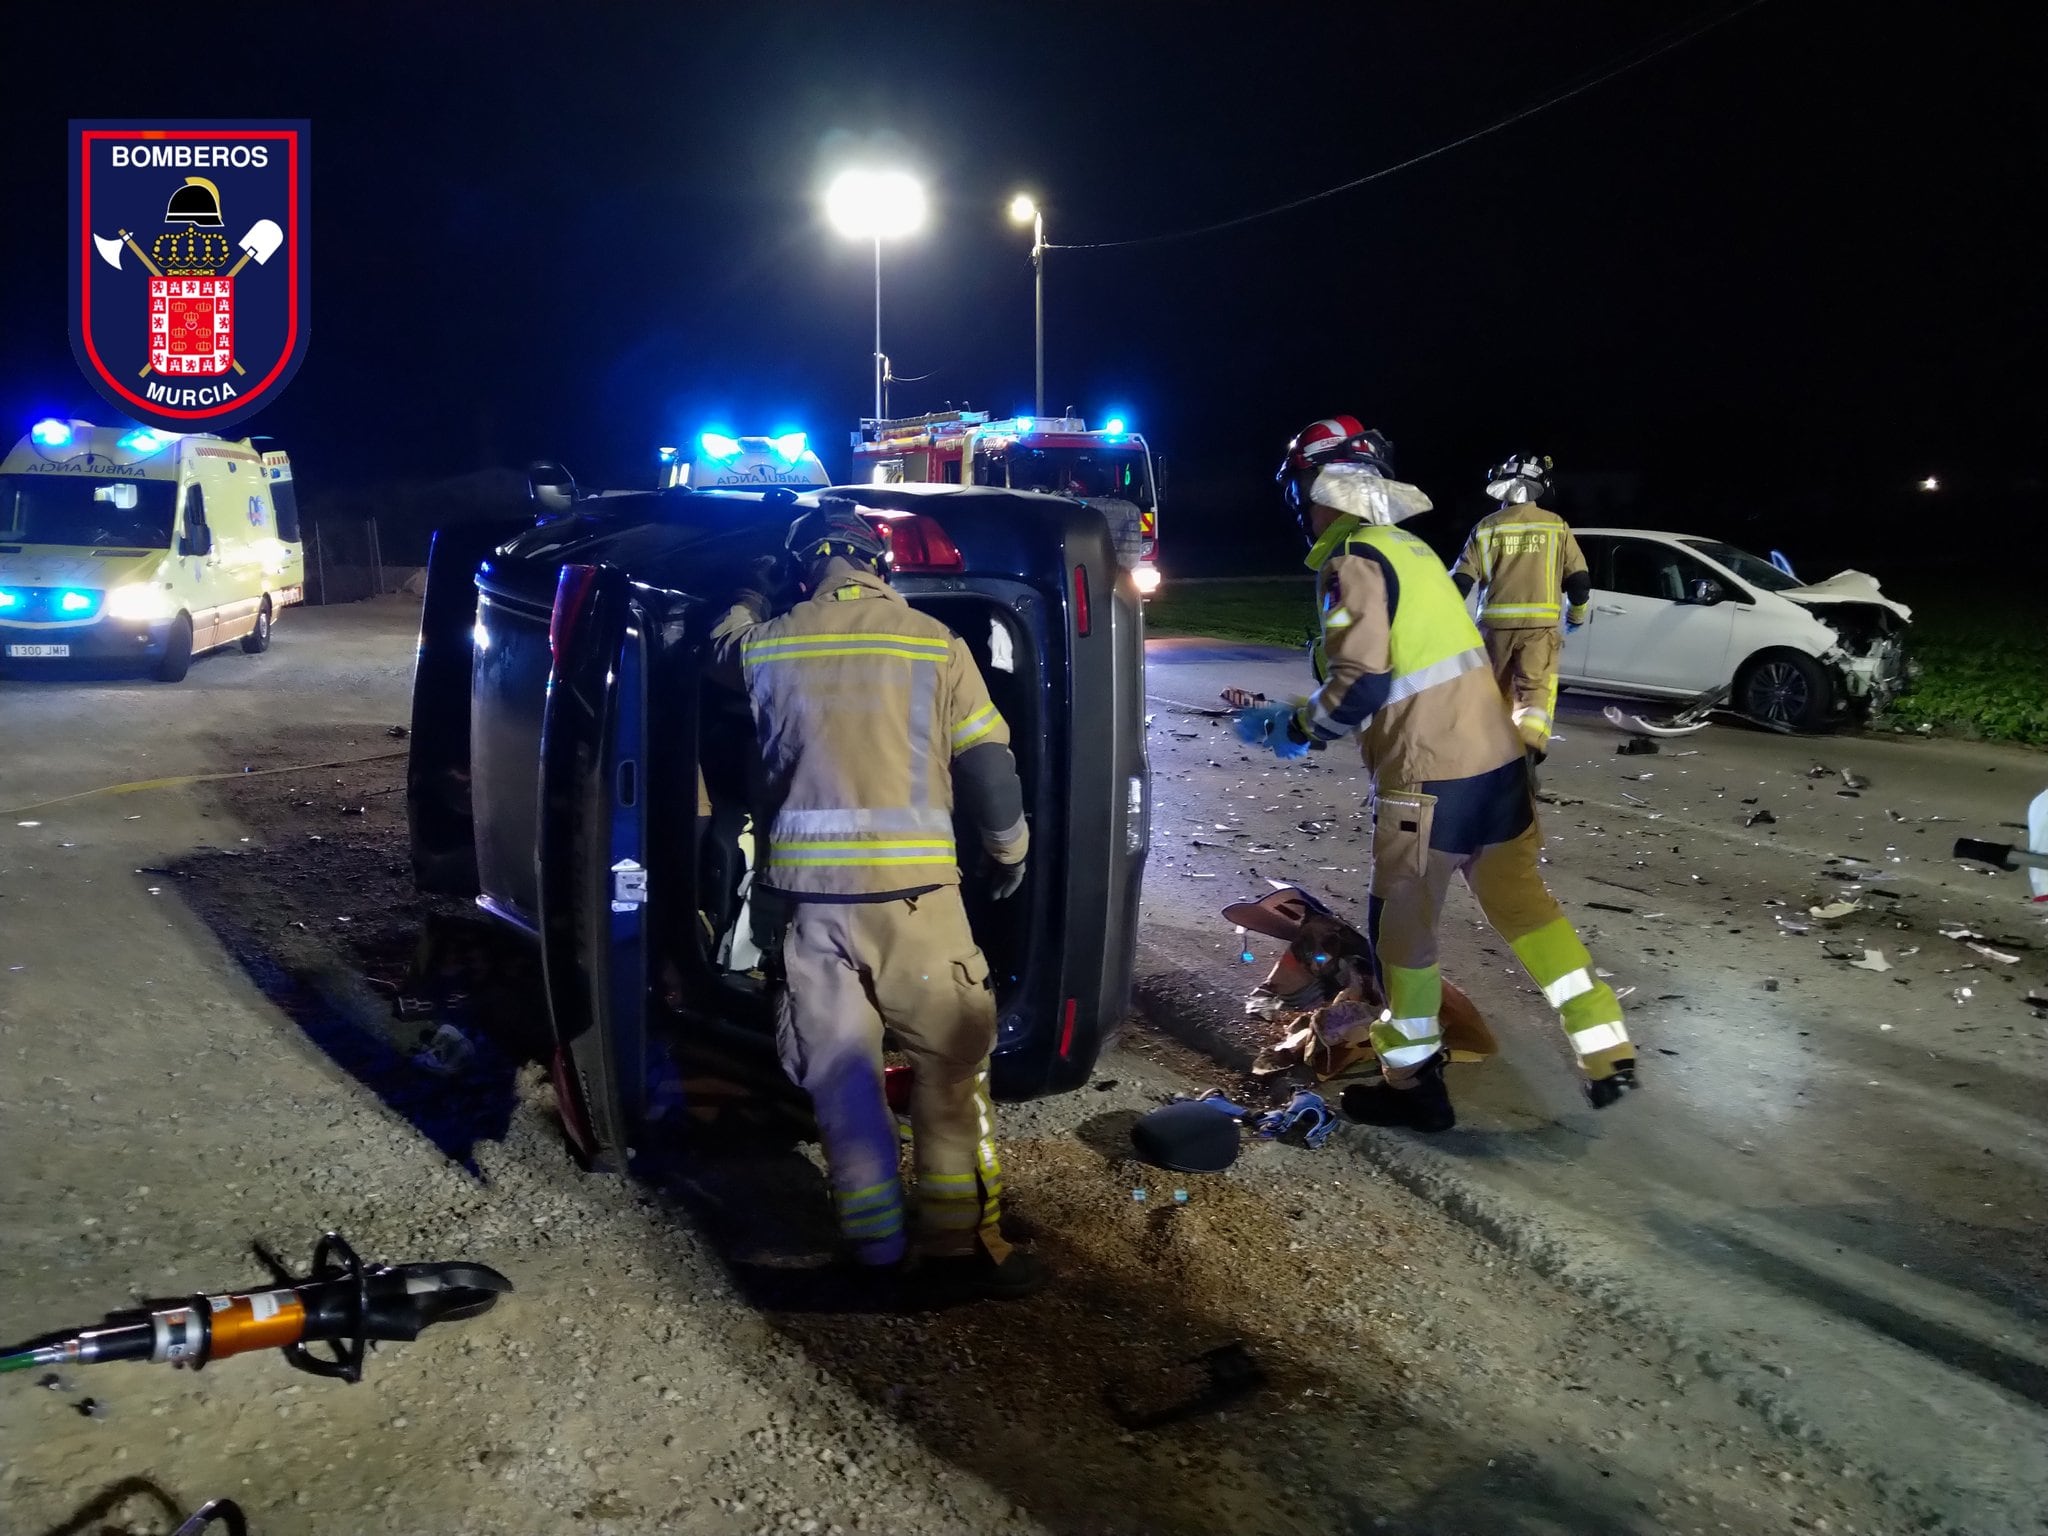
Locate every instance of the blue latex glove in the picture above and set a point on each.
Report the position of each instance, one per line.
(1265, 725)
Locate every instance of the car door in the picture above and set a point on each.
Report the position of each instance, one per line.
(591, 858)
(1574, 662)
(1647, 631)
(202, 560)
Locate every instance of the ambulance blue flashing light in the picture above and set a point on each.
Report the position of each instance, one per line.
(717, 445)
(790, 446)
(1114, 426)
(51, 433)
(74, 602)
(141, 440)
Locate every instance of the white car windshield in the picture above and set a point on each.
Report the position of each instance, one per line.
(1758, 573)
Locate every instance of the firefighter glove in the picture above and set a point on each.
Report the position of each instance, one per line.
(1004, 880)
(1271, 725)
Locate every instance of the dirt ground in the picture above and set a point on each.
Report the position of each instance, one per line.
(198, 1057)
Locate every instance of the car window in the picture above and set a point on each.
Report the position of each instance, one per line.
(1599, 552)
(1758, 573)
(1645, 569)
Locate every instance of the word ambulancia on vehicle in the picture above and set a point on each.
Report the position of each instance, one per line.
(189, 272)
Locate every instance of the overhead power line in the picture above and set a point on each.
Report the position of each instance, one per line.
(1616, 71)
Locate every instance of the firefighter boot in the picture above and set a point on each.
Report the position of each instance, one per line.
(1419, 1102)
(1620, 1079)
(995, 1271)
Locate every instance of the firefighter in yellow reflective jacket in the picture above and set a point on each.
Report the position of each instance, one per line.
(1403, 666)
(871, 717)
(1530, 576)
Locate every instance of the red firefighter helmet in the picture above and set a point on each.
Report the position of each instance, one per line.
(1329, 441)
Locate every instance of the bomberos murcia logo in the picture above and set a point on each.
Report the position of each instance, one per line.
(189, 280)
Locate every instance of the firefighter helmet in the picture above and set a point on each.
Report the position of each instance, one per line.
(1525, 477)
(196, 202)
(1333, 440)
(835, 527)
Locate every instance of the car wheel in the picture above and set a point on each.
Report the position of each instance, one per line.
(176, 660)
(1784, 688)
(257, 641)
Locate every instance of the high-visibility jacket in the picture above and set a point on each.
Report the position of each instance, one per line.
(1400, 661)
(1520, 558)
(861, 703)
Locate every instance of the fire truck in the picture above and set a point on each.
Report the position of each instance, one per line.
(1109, 469)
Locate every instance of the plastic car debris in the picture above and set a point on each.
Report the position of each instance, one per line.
(1854, 780)
(1819, 771)
(1637, 746)
(1306, 1113)
(1760, 817)
(1834, 910)
(1873, 960)
(446, 1052)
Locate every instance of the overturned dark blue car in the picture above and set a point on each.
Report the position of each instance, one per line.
(575, 771)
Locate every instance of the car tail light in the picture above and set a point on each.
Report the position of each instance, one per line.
(917, 543)
(572, 594)
(1080, 599)
(1067, 1029)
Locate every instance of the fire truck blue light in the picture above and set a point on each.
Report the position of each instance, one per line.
(1115, 424)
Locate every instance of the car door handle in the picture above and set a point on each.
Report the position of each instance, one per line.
(1605, 609)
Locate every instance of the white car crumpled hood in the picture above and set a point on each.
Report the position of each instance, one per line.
(1846, 587)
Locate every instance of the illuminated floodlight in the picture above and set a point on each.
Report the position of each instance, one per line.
(875, 205)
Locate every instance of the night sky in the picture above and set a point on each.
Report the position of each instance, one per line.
(1780, 268)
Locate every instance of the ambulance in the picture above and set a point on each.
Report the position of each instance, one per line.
(128, 544)
(723, 463)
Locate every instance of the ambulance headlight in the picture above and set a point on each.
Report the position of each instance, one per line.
(144, 600)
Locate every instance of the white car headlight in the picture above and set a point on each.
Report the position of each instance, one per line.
(139, 600)
(1146, 579)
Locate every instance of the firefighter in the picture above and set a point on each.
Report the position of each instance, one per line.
(870, 718)
(1527, 564)
(1400, 662)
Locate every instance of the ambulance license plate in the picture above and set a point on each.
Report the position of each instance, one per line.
(38, 650)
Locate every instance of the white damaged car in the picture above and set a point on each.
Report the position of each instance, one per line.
(1674, 616)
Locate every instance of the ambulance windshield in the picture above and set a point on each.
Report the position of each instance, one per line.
(80, 509)
(1117, 472)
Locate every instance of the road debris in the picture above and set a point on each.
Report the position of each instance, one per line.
(1994, 954)
(1854, 780)
(1633, 800)
(1873, 960)
(446, 1052)
(1761, 817)
(1834, 910)
(1819, 771)
(1637, 746)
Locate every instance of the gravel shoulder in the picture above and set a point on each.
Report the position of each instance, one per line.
(197, 1058)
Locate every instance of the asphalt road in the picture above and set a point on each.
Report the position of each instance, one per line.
(1832, 1184)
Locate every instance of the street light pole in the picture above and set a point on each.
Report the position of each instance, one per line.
(1024, 210)
(1038, 288)
(875, 205)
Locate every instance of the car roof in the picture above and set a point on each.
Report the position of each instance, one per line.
(1643, 533)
